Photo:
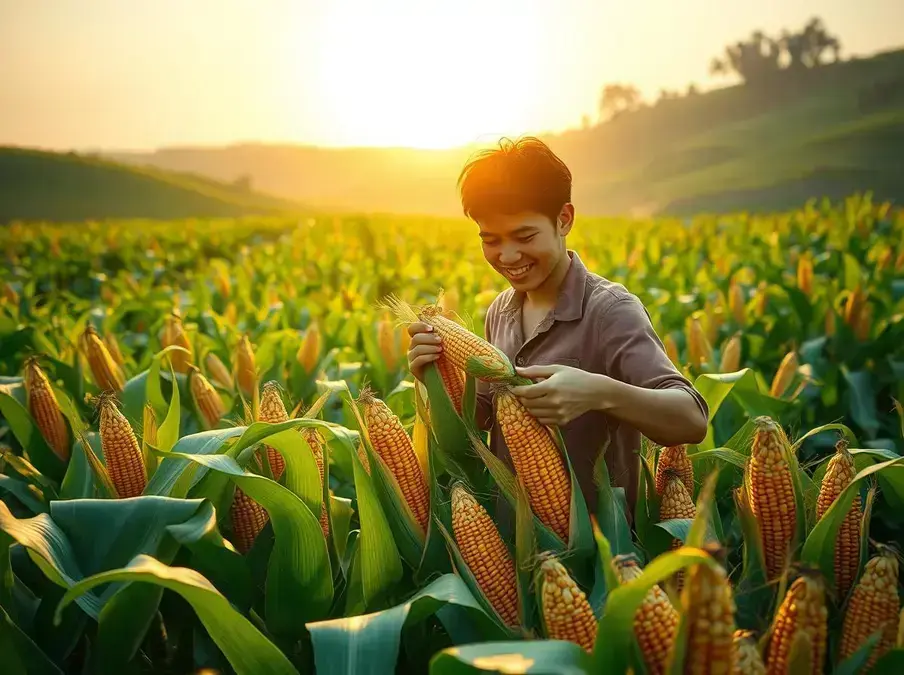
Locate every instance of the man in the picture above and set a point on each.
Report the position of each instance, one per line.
(602, 373)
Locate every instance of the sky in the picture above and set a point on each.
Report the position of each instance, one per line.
(140, 74)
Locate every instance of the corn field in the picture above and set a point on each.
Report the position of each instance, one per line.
(213, 458)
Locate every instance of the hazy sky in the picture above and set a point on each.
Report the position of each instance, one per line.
(142, 73)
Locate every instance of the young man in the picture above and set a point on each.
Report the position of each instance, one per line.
(602, 373)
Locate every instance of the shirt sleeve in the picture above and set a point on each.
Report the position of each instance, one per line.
(633, 353)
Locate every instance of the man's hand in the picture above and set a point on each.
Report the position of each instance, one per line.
(562, 394)
(425, 348)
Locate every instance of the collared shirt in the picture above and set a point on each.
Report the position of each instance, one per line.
(597, 326)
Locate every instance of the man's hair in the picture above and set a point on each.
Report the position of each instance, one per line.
(518, 176)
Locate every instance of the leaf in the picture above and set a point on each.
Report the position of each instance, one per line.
(862, 401)
(30, 438)
(546, 656)
(611, 511)
(21, 656)
(371, 641)
(168, 432)
(246, 649)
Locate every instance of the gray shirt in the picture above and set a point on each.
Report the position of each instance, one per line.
(597, 326)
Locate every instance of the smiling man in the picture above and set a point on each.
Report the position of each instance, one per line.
(602, 374)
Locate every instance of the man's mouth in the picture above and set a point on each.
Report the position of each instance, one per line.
(516, 273)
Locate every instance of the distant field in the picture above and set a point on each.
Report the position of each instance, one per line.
(61, 187)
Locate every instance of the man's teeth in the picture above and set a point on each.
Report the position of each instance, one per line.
(517, 271)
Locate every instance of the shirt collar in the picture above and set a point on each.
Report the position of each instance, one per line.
(570, 302)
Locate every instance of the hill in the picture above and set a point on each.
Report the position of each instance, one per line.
(827, 131)
(36, 185)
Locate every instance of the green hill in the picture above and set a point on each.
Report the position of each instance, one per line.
(37, 185)
(828, 131)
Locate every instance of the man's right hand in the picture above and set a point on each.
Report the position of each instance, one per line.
(425, 347)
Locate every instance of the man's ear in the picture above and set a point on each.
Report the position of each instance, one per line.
(565, 219)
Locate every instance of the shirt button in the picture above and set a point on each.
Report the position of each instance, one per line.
(519, 361)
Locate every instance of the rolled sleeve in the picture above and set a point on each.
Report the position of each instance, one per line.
(633, 352)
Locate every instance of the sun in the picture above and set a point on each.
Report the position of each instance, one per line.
(422, 75)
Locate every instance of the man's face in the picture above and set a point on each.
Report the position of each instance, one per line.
(524, 248)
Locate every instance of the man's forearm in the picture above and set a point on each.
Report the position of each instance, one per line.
(665, 416)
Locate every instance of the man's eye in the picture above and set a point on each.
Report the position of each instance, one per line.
(527, 238)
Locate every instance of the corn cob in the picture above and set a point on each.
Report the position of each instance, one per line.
(106, 374)
(315, 442)
(113, 348)
(273, 411)
(698, 345)
(736, 303)
(762, 299)
(309, 350)
(248, 519)
(805, 275)
(206, 398)
(747, 660)
(784, 376)
(675, 457)
(45, 410)
(731, 354)
(122, 454)
(566, 612)
(538, 462)
(802, 618)
(174, 334)
(656, 620)
(453, 380)
(387, 341)
(218, 371)
(671, 349)
(771, 494)
(676, 502)
(465, 349)
(485, 554)
(245, 368)
(864, 325)
(708, 606)
(853, 307)
(392, 443)
(830, 322)
(874, 606)
(839, 474)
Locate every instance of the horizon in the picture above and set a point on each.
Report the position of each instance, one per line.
(356, 63)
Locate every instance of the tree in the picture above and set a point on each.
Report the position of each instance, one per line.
(618, 98)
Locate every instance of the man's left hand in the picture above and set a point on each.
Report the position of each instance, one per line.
(562, 394)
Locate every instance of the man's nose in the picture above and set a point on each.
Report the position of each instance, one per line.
(509, 255)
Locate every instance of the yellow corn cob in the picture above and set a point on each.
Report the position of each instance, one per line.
(122, 454)
(106, 374)
(174, 334)
(537, 461)
(805, 275)
(206, 398)
(218, 371)
(245, 368)
(708, 606)
(802, 617)
(675, 457)
(731, 354)
(453, 380)
(465, 349)
(784, 376)
(676, 502)
(231, 313)
(450, 300)
(45, 410)
(309, 351)
(248, 519)
(830, 322)
(149, 425)
(113, 348)
(395, 447)
(566, 612)
(273, 411)
(762, 299)
(485, 554)
(736, 303)
(747, 660)
(656, 620)
(387, 341)
(315, 441)
(839, 474)
(698, 345)
(853, 307)
(671, 349)
(771, 493)
(874, 606)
